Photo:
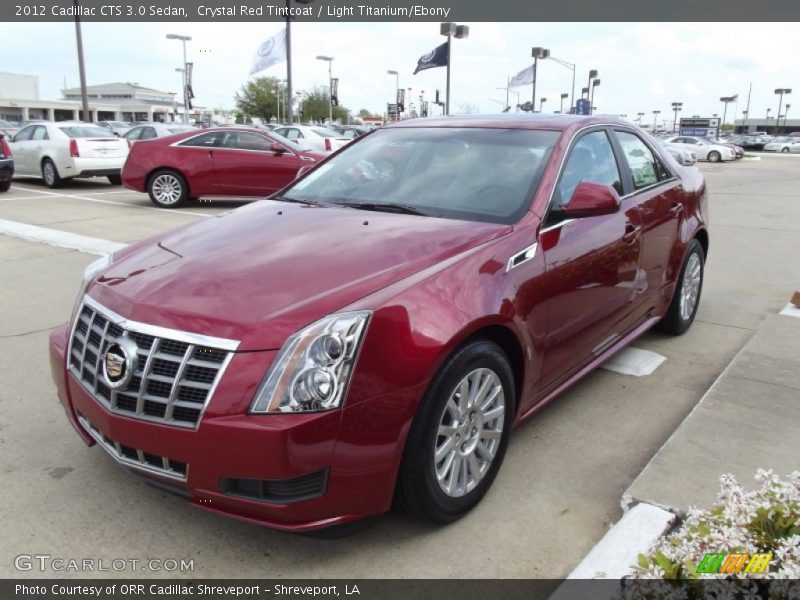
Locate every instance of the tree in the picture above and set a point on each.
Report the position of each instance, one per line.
(257, 98)
(365, 113)
(316, 107)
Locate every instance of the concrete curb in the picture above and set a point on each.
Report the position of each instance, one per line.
(55, 237)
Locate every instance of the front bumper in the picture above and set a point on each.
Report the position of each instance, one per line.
(357, 448)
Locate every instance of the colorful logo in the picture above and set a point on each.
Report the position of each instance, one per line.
(731, 564)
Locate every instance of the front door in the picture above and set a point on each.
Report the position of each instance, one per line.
(591, 263)
(245, 165)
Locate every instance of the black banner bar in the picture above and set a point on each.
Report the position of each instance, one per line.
(401, 10)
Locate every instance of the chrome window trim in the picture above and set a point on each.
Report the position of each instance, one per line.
(117, 455)
(187, 337)
(558, 225)
(526, 254)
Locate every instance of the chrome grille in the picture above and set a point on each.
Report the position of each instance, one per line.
(176, 371)
(136, 458)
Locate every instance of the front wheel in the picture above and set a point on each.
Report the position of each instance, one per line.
(5, 185)
(459, 436)
(785, 150)
(167, 189)
(714, 156)
(686, 298)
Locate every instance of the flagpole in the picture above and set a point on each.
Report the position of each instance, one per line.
(447, 96)
(288, 64)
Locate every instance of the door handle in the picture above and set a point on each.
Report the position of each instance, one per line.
(631, 233)
(676, 209)
(210, 154)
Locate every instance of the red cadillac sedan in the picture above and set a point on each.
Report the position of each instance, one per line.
(230, 161)
(369, 336)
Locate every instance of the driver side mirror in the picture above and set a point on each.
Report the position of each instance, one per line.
(277, 148)
(592, 200)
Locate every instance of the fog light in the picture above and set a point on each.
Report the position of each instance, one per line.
(312, 387)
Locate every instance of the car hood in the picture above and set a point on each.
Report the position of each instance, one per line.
(260, 273)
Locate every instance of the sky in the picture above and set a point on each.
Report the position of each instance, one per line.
(642, 66)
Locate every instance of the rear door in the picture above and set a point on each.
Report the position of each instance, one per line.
(660, 197)
(244, 164)
(592, 263)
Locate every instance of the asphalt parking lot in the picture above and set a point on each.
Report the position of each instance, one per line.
(559, 488)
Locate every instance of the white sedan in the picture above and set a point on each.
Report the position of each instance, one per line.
(151, 131)
(315, 137)
(704, 149)
(783, 144)
(59, 151)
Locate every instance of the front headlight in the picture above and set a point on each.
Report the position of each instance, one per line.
(313, 369)
(89, 273)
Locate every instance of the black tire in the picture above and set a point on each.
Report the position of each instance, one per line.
(5, 185)
(115, 179)
(167, 177)
(714, 156)
(418, 491)
(785, 150)
(675, 322)
(50, 174)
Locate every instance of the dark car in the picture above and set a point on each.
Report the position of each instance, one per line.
(225, 161)
(6, 164)
(359, 340)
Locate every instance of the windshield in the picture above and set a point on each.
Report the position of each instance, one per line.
(459, 173)
(292, 144)
(325, 132)
(180, 128)
(84, 131)
(5, 123)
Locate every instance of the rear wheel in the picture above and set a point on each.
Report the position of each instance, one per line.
(785, 150)
(686, 298)
(5, 185)
(50, 174)
(115, 179)
(168, 189)
(459, 436)
(714, 156)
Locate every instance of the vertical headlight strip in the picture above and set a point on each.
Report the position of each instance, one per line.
(313, 368)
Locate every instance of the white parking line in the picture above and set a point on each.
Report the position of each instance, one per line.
(101, 201)
(55, 237)
(634, 361)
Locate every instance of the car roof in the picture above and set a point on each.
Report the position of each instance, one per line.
(512, 121)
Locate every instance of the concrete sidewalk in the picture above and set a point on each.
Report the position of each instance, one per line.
(747, 420)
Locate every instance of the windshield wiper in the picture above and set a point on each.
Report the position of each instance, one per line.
(388, 207)
(287, 199)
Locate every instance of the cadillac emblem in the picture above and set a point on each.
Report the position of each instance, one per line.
(119, 363)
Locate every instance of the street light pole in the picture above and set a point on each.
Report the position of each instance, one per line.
(781, 92)
(537, 53)
(329, 60)
(655, 116)
(183, 39)
(396, 94)
(676, 106)
(595, 83)
(87, 115)
(561, 108)
(786, 113)
(541, 103)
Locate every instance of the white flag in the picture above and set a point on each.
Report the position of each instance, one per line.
(270, 52)
(524, 77)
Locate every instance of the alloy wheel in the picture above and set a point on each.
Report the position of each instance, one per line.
(469, 433)
(167, 189)
(49, 173)
(690, 286)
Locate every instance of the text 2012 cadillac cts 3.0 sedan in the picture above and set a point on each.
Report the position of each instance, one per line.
(371, 335)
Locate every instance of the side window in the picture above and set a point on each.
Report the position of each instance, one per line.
(245, 141)
(207, 140)
(24, 135)
(148, 133)
(640, 159)
(292, 134)
(591, 159)
(40, 133)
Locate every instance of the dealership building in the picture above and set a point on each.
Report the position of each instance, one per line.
(20, 101)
